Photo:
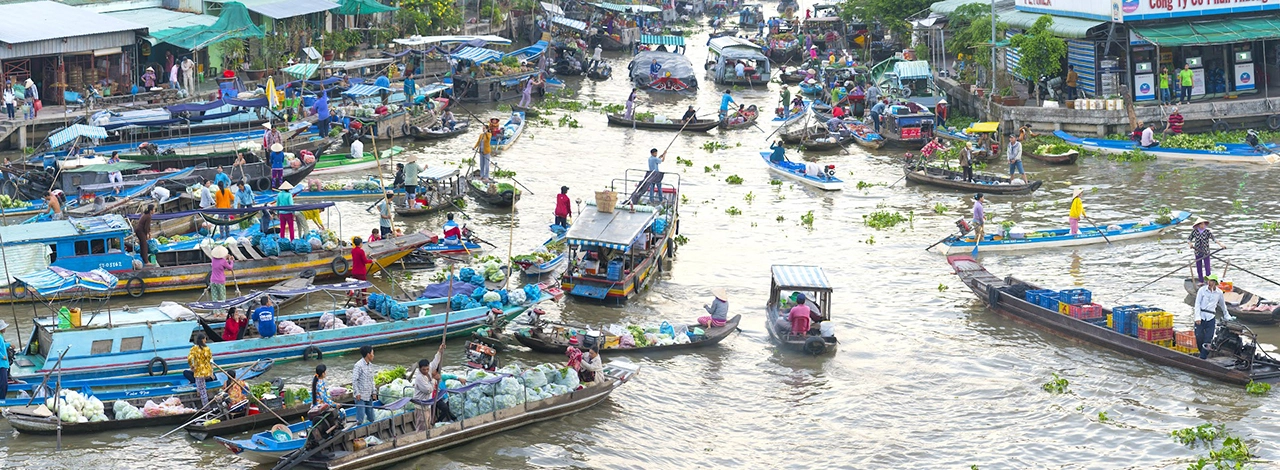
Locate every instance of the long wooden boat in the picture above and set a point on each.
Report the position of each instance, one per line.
(944, 178)
(504, 194)
(1242, 304)
(265, 448)
(283, 294)
(441, 133)
(869, 140)
(1067, 158)
(1005, 296)
(111, 388)
(410, 435)
(552, 338)
(812, 143)
(24, 420)
(343, 162)
(225, 425)
(516, 125)
(1060, 238)
(797, 172)
(528, 111)
(812, 282)
(442, 187)
(698, 125)
(1231, 153)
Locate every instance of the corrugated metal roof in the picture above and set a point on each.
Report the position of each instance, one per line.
(160, 19)
(1063, 27)
(662, 40)
(913, 70)
(38, 21)
(811, 277)
(291, 8)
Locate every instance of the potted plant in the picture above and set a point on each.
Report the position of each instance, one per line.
(257, 69)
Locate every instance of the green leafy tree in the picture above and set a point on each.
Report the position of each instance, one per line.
(892, 14)
(969, 33)
(1041, 52)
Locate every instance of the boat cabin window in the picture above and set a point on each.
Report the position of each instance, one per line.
(98, 246)
(53, 252)
(113, 245)
(131, 344)
(82, 247)
(101, 346)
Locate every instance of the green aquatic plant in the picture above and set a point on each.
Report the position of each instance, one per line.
(749, 197)
(939, 208)
(1258, 389)
(732, 210)
(713, 145)
(683, 161)
(883, 219)
(1056, 385)
(807, 220)
(733, 179)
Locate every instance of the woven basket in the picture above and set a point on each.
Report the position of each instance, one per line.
(606, 201)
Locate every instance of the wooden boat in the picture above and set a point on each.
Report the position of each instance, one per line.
(1068, 158)
(110, 388)
(263, 447)
(607, 42)
(790, 77)
(907, 130)
(812, 143)
(812, 282)
(1230, 153)
(868, 139)
(528, 111)
(954, 136)
(613, 255)
(343, 162)
(1238, 361)
(442, 187)
(283, 294)
(226, 425)
(810, 89)
(493, 193)
(411, 435)
(752, 116)
(799, 172)
(515, 125)
(553, 338)
(1059, 238)
(459, 128)
(988, 184)
(697, 125)
(1242, 304)
(555, 244)
(24, 420)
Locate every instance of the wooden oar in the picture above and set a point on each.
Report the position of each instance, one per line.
(1100, 231)
(231, 376)
(1259, 276)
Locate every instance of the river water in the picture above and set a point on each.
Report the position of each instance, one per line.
(925, 376)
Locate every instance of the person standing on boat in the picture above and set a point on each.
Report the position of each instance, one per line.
(244, 195)
(1014, 156)
(1209, 300)
(631, 104)
(359, 260)
(941, 110)
(526, 93)
(966, 161)
(320, 389)
(223, 198)
(877, 110)
(142, 229)
(277, 164)
(271, 136)
(321, 108)
(115, 177)
(200, 359)
(979, 217)
(235, 326)
(219, 264)
(264, 318)
(563, 211)
(654, 69)
(718, 309)
(362, 385)
(873, 94)
(284, 198)
(206, 195)
(1199, 243)
(484, 146)
(4, 360)
(384, 215)
(1077, 211)
(411, 170)
(786, 99)
(55, 206)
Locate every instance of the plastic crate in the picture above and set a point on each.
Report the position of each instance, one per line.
(1168, 343)
(1075, 296)
(1049, 301)
(1033, 296)
(1081, 312)
(1109, 324)
(1186, 349)
(1100, 322)
(1185, 339)
(1124, 318)
(1155, 320)
(1153, 335)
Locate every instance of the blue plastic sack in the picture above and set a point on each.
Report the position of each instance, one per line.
(532, 292)
(503, 294)
(659, 226)
(479, 293)
(466, 273)
(494, 304)
(285, 244)
(153, 246)
(375, 300)
(269, 247)
(458, 301)
(667, 329)
(301, 246)
(476, 279)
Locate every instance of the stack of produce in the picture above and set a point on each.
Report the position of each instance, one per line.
(512, 386)
(7, 202)
(388, 307)
(73, 407)
(358, 317)
(290, 328)
(123, 410)
(169, 407)
(329, 321)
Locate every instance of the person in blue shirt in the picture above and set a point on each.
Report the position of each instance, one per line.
(4, 360)
(264, 317)
(244, 195)
(725, 99)
(654, 69)
(410, 89)
(452, 233)
(779, 154)
(877, 111)
(321, 108)
(653, 178)
(277, 165)
(221, 179)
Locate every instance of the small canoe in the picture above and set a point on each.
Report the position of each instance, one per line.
(751, 121)
(283, 294)
(1068, 158)
(528, 112)
(554, 245)
(553, 339)
(1230, 153)
(869, 140)
(443, 248)
(1242, 304)
(342, 162)
(942, 177)
(234, 425)
(1060, 238)
(811, 89)
(797, 172)
(426, 208)
(502, 194)
(511, 131)
(263, 447)
(790, 78)
(819, 144)
(698, 125)
(442, 133)
(106, 389)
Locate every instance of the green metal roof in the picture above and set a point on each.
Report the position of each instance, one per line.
(1205, 33)
(662, 40)
(1063, 27)
(946, 7)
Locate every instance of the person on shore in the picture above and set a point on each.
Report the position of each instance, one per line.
(725, 99)
(320, 389)
(284, 198)
(979, 218)
(200, 359)
(1073, 79)
(4, 360)
(142, 229)
(1175, 122)
(264, 317)
(718, 309)
(1014, 156)
(384, 215)
(1199, 243)
(189, 75)
(1187, 79)
(966, 161)
(563, 210)
(799, 316)
(411, 170)
(359, 260)
(1165, 97)
(1076, 212)
(9, 102)
(219, 264)
(277, 164)
(1148, 138)
(484, 146)
(237, 323)
(244, 195)
(362, 385)
(1209, 300)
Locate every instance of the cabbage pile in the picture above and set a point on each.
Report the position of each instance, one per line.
(123, 410)
(75, 407)
(540, 382)
(395, 390)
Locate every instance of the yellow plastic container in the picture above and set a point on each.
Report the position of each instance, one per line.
(1064, 308)
(1109, 324)
(75, 317)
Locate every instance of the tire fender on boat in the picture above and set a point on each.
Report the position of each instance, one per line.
(13, 290)
(495, 95)
(404, 129)
(163, 365)
(993, 295)
(312, 351)
(261, 184)
(815, 345)
(135, 286)
(1274, 122)
(1221, 126)
(340, 266)
(415, 130)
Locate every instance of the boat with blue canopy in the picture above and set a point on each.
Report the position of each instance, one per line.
(727, 51)
(1017, 240)
(1227, 153)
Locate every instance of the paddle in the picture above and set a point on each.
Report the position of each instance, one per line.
(904, 176)
(230, 377)
(1100, 231)
(1259, 276)
(516, 181)
(1188, 265)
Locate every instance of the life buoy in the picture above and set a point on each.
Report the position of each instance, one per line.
(151, 366)
(261, 184)
(135, 286)
(815, 345)
(1221, 126)
(495, 95)
(13, 290)
(312, 351)
(1274, 122)
(340, 266)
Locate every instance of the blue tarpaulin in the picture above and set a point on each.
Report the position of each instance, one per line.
(478, 55)
(360, 91)
(54, 280)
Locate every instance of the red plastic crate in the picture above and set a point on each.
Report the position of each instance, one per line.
(1085, 311)
(1155, 334)
(1186, 339)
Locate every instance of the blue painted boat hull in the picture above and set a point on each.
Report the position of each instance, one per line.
(1056, 238)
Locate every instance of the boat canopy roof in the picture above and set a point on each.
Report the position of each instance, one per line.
(800, 277)
(478, 55)
(452, 39)
(361, 91)
(53, 280)
(983, 127)
(109, 167)
(437, 173)
(660, 40)
(736, 48)
(616, 230)
(356, 64)
(241, 300)
(627, 8)
(677, 64)
(74, 132)
(913, 70)
(48, 231)
(569, 23)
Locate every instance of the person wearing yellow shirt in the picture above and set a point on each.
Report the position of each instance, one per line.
(485, 148)
(201, 361)
(1077, 211)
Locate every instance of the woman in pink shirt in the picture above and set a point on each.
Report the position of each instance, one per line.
(799, 316)
(217, 273)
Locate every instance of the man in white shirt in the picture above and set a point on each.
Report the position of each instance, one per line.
(160, 194)
(1148, 137)
(740, 70)
(357, 148)
(1208, 301)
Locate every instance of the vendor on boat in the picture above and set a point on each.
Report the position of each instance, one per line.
(362, 384)
(219, 264)
(411, 170)
(284, 198)
(931, 147)
(966, 161)
(725, 99)
(654, 69)
(429, 384)
(452, 234)
(200, 358)
(1199, 243)
(689, 116)
(1014, 157)
(264, 317)
(718, 309)
(359, 260)
(271, 136)
(320, 389)
(236, 324)
(799, 315)
(1148, 139)
(4, 360)
(384, 215)
(979, 215)
(244, 195)
(484, 146)
(779, 153)
(1076, 212)
(1209, 300)
(277, 164)
(563, 211)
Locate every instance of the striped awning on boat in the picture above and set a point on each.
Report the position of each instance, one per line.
(658, 40)
(364, 90)
(437, 172)
(54, 280)
(800, 277)
(528, 53)
(570, 23)
(478, 55)
(349, 285)
(69, 134)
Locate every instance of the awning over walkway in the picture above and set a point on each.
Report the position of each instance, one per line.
(1206, 33)
(452, 39)
(552, 9)
(1063, 27)
(291, 8)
